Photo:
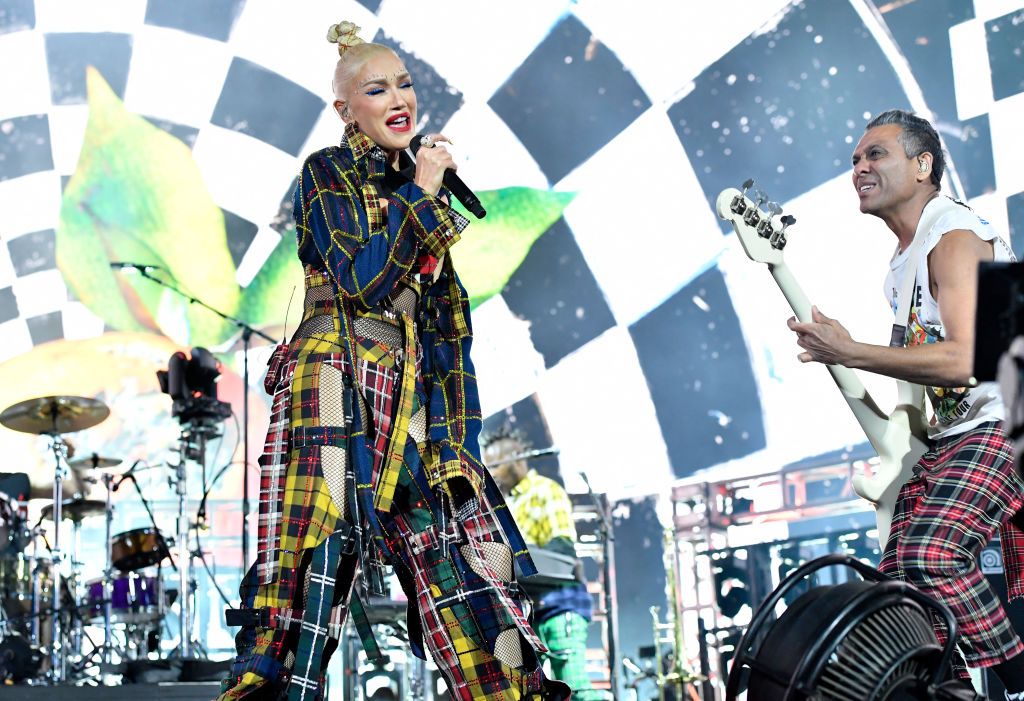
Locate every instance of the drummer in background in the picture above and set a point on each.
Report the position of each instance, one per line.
(543, 511)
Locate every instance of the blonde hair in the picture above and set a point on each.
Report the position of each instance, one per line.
(353, 53)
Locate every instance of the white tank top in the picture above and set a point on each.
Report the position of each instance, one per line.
(957, 409)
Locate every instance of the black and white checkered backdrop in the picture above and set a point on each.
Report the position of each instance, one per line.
(635, 335)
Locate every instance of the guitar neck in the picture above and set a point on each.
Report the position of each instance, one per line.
(847, 381)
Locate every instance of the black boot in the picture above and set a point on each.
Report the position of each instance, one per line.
(555, 690)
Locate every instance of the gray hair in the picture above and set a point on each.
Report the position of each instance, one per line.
(917, 136)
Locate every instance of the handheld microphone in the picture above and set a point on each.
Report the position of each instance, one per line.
(454, 183)
(120, 265)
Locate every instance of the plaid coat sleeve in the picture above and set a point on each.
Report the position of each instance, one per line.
(454, 404)
(363, 254)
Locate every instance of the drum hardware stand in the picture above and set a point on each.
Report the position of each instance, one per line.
(75, 623)
(106, 662)
(59, 448)
(247, 333)
(349, 647)
(37, 588)
(194, 435)
(416, 673)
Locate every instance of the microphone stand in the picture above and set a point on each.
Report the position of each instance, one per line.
(156, 530)
(608, 572)
(528, 455)
(247, 333)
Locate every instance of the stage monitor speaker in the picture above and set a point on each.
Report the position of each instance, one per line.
(991, 562)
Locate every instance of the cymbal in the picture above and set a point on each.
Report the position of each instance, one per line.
(76, 509)
(92, 462)
(54, 415)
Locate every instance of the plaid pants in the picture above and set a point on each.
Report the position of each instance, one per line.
(961, 492)
(458, 579)
(565, 637)
(463, 611)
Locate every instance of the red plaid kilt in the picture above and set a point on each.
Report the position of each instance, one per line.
(963, 490)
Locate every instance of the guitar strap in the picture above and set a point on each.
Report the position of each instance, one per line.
(933, 211)
(909, 393)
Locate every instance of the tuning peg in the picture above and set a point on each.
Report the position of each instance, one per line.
(764, 228)
(760, 196)
(739, 202)
(778, 239)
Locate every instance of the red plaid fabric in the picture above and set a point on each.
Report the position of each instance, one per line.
(273, 464)
(962, 491)
(378, 382)
(465, 603)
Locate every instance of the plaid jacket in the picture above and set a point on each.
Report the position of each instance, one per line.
(365, 249)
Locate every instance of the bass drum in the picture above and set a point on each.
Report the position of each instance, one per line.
(18, 660)
(138, 548)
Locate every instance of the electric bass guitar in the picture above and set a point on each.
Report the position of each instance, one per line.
(899, 438)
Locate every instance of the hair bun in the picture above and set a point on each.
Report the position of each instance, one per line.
(345, 35)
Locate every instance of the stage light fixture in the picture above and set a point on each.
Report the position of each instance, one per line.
(862, 640)
(192, 383)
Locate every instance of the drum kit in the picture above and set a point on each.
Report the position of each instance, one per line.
(47, 604)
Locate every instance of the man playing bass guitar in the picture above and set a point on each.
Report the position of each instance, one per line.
(964, 488)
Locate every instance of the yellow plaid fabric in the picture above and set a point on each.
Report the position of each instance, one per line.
(542, 509)
(388, 479)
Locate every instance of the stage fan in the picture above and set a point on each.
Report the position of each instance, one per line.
(867, 640)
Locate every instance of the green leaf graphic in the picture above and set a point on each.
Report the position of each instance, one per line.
(265, 300)
(137, 195)
(485, 257)
(493, 247)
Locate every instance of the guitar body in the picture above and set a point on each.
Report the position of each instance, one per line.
(899, 439)
(899, 449)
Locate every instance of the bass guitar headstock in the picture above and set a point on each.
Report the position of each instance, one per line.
(758, 222)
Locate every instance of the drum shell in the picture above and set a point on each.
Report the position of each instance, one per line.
(141, 547)
(16, 577)
(134, 598)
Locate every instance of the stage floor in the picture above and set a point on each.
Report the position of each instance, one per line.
(180, 691)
